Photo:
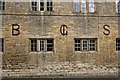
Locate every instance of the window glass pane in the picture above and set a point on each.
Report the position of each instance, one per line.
(41, 5)
(92, 45)
(33, 45)
(77, 44)
(34, 3)
(34, 6)
(42, 45)
(50, 45)
(50, 9)
(50, 41)
(117, 6)
(1, 44)
(49, 5)
(91, 6)
(85, 44)
(118, 44)
(76, 6)
(2, 5)
(84, 6)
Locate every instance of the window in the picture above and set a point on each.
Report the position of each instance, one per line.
(34, 45)
(84, 6)
(76, 6)
(49, 5)
(42, 45)
(41, 5)
(1, 44)
(77, 45)
(118, 44)
(50, 45)
(118, 6)
(2, 5)
(46, 44)
(92, 45)
(34, 5)
(91, 6)
(85, 44)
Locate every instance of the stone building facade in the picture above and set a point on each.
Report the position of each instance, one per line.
(59, 38)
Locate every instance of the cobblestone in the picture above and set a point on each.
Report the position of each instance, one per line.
(64, 70)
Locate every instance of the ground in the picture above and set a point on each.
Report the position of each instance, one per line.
(65, 69)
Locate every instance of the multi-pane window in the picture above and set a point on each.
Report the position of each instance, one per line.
(50, 45)
(85, 44)
(34, 5)
(1, 44)
(84, 6)
(46, 44)
(92, 45)
(77, 45)
(33, 44)
(41, 5)
(2, 5)
(91, 6)
(76, 6)
(118, 44)
(81, 5)
(49, 5)
(42, 45)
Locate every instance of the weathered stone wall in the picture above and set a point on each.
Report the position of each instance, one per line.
(34, 25)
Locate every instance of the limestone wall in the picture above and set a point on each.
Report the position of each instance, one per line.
(33, 25)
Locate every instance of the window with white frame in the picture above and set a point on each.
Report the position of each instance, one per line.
(118, 6)
(118, 44)
(81, 5)
(92, 45)
(41, 5)
(1, 44)
(76, 6)
(34, 5)
(2, 5)
(49, 5)
(91, 6)
(42, 45)
(85, 44)
(84, 6)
